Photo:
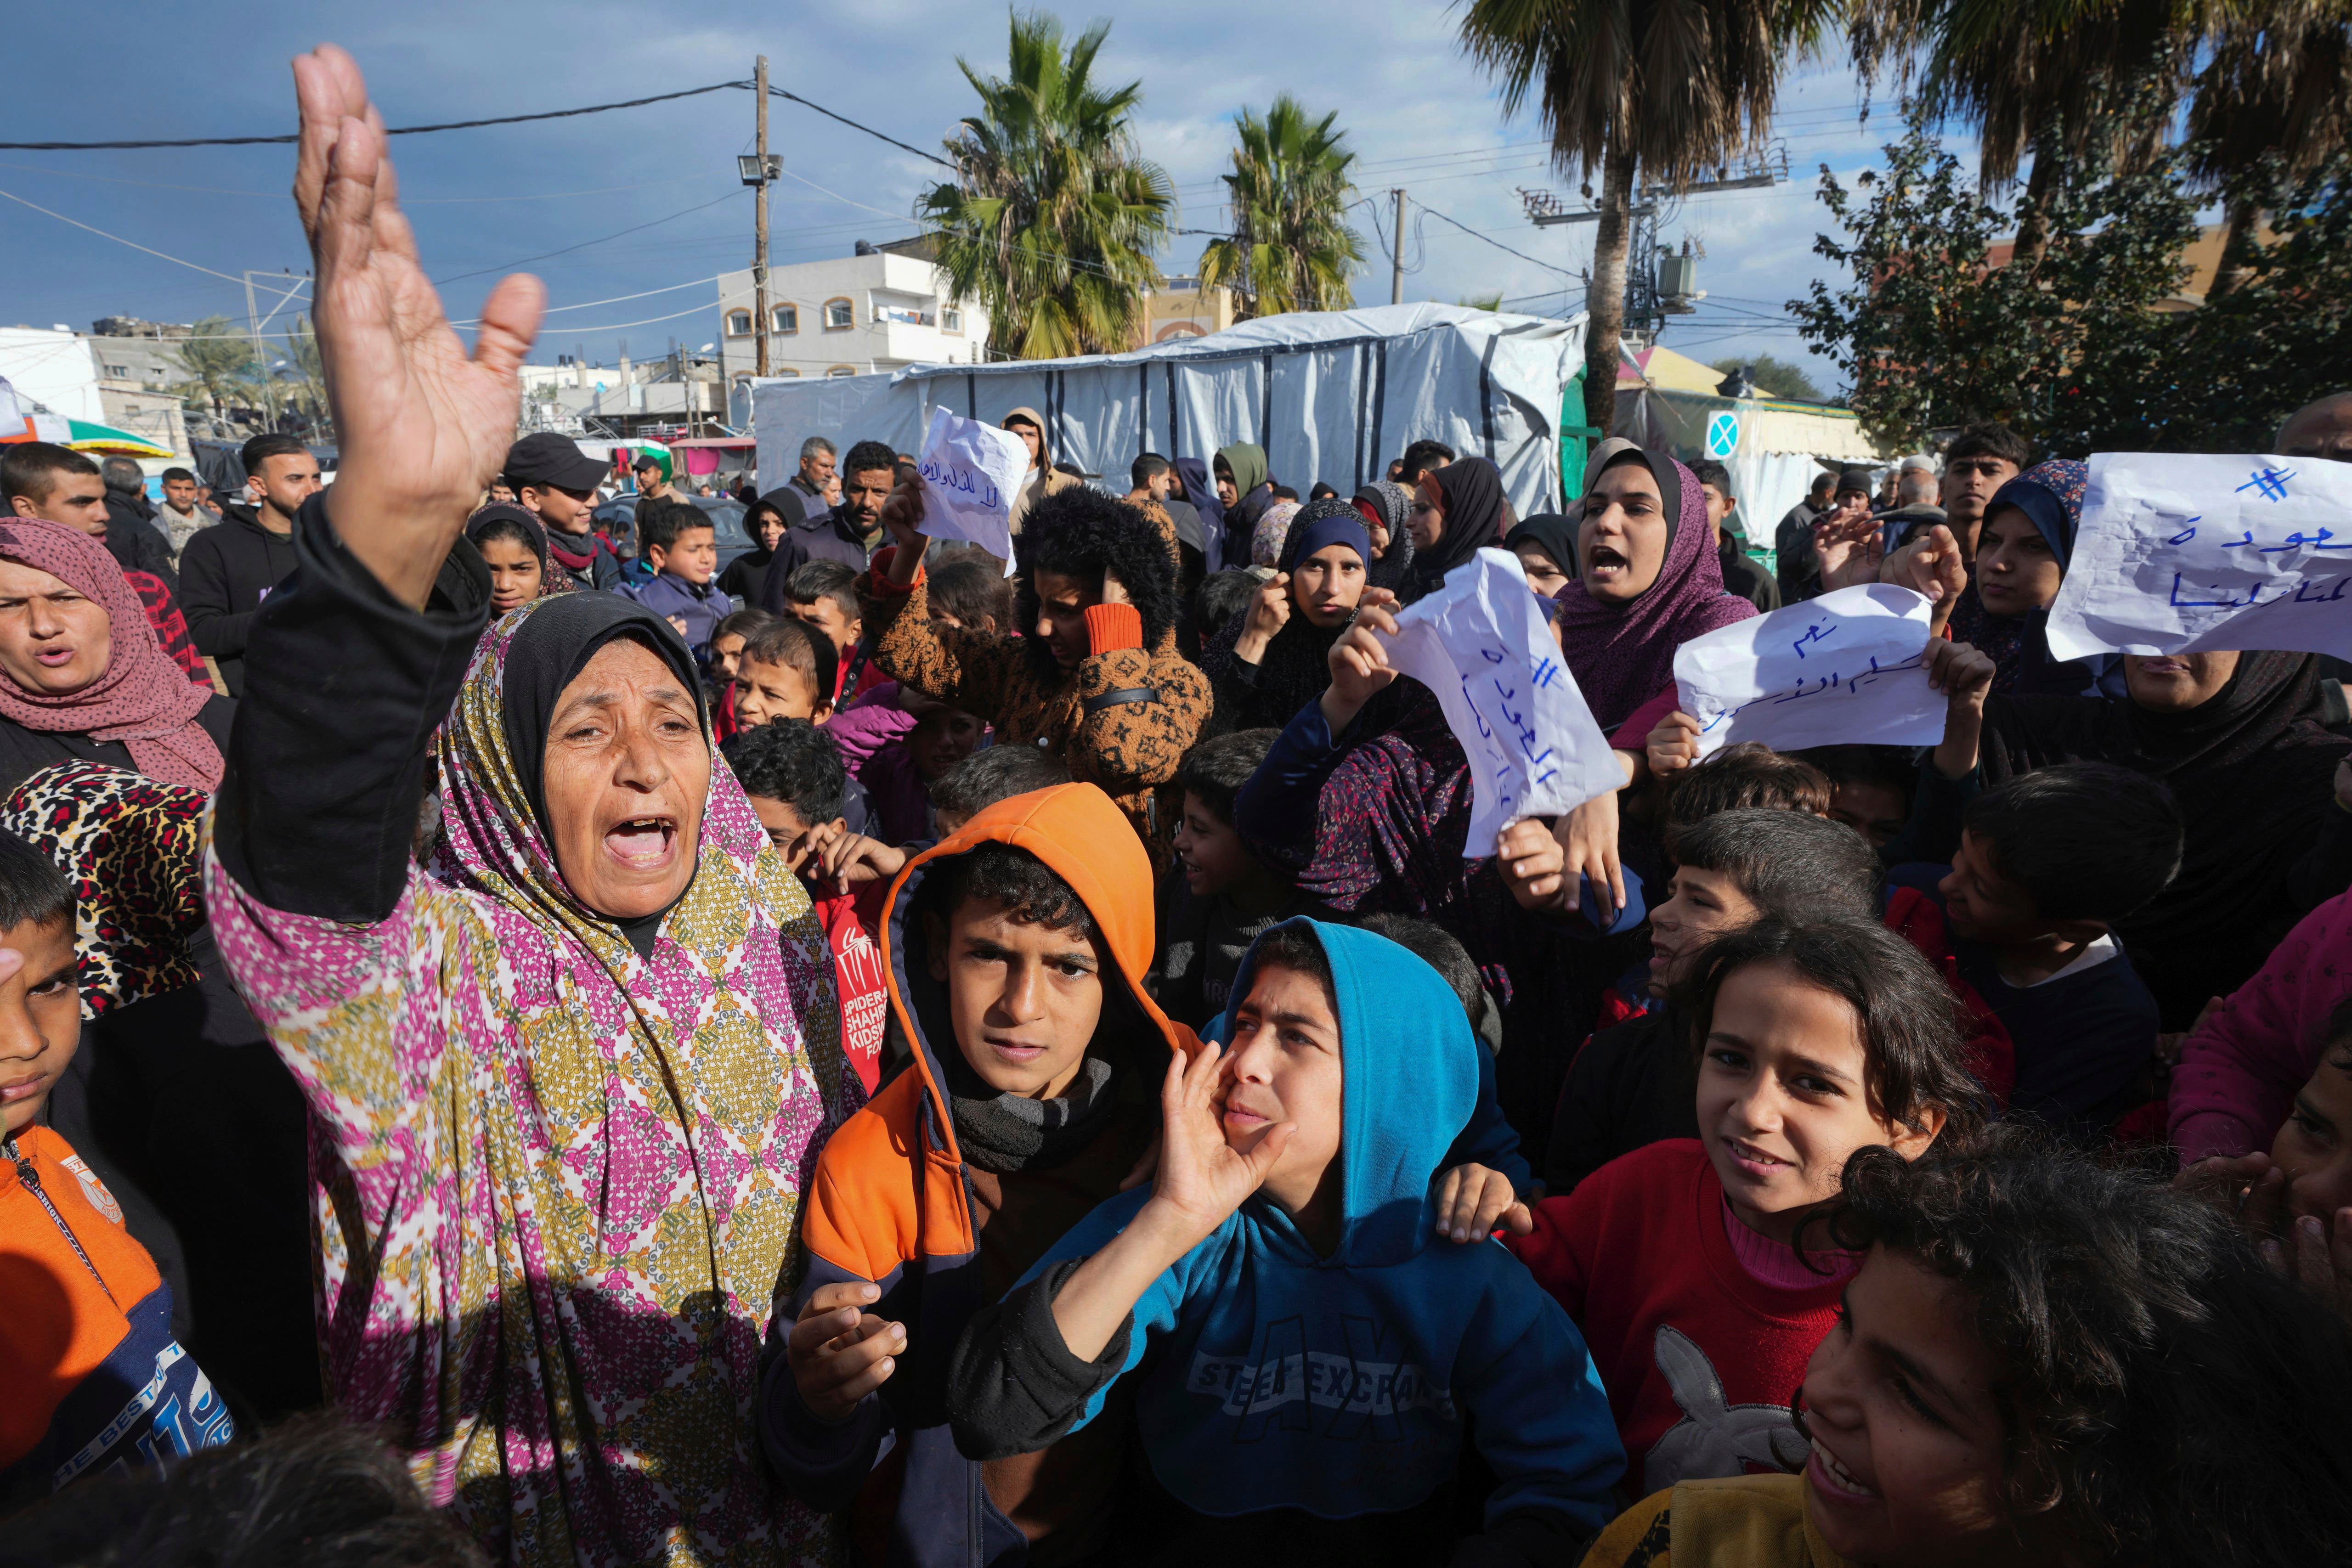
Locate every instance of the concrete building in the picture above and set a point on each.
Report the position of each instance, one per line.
(137, 369)
(881, 308)
(1180, 308)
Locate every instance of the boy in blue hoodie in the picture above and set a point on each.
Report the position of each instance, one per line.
(1317, 1354)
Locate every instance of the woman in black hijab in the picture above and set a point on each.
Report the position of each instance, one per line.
(2237, 738)
(1319, 581)
(1545, 546)
(1460, 508)
(1387, 510)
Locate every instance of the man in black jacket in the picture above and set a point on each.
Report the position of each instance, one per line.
(227, 570)
(132, 536)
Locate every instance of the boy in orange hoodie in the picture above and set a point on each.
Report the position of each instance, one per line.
(92, 1377)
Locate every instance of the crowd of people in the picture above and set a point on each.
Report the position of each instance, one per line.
(524, 1045)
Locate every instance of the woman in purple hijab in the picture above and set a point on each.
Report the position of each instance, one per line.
(1647, 581)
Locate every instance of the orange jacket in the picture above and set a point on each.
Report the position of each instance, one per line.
(892, 1204)
(92, 1375)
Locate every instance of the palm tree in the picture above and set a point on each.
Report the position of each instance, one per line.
(2278, 84)
(1053, 215)
(1668, 88)
(219, 362)
(1288, 250)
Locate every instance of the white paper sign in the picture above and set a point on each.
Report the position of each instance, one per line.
(1850, 667)
(970, 473)
(1481, 643)
(2184, 554)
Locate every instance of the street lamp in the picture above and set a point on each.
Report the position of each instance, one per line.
(748, 165)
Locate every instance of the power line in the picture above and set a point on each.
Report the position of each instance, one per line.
(775, 91)
(118, 239)
(584, 244)
(393, 130)
(1498, 245)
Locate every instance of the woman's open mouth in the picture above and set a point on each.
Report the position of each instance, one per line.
(1602, 559)
(1754, 1162)
(643, 843)
(54, 657)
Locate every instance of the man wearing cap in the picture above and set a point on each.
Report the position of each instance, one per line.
(555, 482)
(651, 469)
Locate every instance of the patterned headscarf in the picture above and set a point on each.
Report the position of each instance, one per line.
(608, 1131)
(143, 699)
(1272, 528)
(131, 846)
(1393, 502)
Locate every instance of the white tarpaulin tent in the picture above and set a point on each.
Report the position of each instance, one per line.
(1331, 396)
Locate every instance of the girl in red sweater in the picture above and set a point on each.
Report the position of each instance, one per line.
(1681, 1261)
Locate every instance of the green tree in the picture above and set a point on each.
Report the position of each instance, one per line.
(1932, 336)
(1053, 215)
(1290, 248)
(2276, 86)
(219, 362)
(1668, 88)
(1778, 377)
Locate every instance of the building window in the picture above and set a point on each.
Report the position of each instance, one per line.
(119, 372)
(838, 315)
(787, 318)
(950, 318)
(739, 323)
(839, 371)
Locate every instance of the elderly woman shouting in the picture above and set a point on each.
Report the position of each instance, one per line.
(570, 1082)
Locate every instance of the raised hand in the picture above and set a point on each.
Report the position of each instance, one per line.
(839, 1352)
(1268, 613)
(422, 426)
(1528, 860)
(1674, 745)
(1850, 550)
(1588, 847)
(850, 860)
(902, 520)
(1930, 565)
(1360, 663)
(1203, 1178)
(1965, 678)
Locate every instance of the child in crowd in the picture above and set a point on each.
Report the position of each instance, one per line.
(2295, 1201)
(786, 670)
(1442, 951)
(1221, 596)
(2047, 863)
(824, 593)
(1681, 1261)
(513, 544)
(1631, 1085)
(800, 789)
(94, 1379)
(2042, 1358)
(1026, 1102)
(897, 742)
(981, 779)
(971, 592)
(726, 657)
(680, 553)
(1871, 786)
(1219, 897)
(1305, 1357)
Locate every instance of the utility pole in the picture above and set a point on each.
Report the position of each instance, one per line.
(1396, 252)
(759, 223)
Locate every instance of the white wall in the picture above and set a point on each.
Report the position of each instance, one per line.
(52, 368)
(871, 284)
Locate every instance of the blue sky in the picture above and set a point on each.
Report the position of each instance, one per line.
(1418, 112)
